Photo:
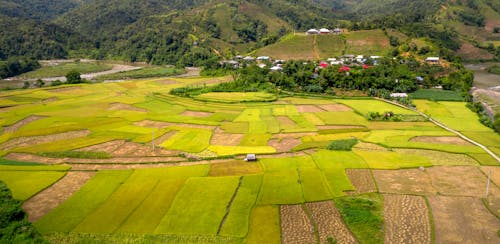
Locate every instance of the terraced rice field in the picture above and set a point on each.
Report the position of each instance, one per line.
(120, 162)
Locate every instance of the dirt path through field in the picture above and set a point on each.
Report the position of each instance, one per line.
(21, 123)
(406, 219)
(35, 140)
(329, 222)
(463, 220)
(296, 226)
(50, 198)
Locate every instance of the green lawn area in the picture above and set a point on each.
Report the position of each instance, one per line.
(144, 72)
(63, 69)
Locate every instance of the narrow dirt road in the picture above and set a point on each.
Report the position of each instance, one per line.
(117, 68)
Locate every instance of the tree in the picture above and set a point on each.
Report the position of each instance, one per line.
(73, 77)
(39, 83)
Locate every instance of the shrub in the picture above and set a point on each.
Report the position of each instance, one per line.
(342, 145)
(73, 77)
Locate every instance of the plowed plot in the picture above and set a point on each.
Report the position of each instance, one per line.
(226, 139)
(50, 198)
(110, 146)
(153, 124)
(408, 181)
(308, 109)
(123, 106)
(137, 150)
(329, 223)
(362, 180)
(295, 225)
(196, 114)
(34, 140)
(293, 135)
(452, 140)
(335, 107)
(458, 181)
(285, 121)
(19, 124)
(406, 219)
(495, 173)
(285, 144)
(234, 168)
(463, 220)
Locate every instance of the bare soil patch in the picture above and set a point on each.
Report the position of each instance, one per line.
(123, 106)
(495, 173)
(50, 198)
(335, 107)
(362, 180)
(109, 147)
(196, 114)
(25, 157)
(21, 123)
(406, 219)
(452, 140)
(132, 149)
(285, 120)
(468, 51)
(219, 137)
(308, 108)
(296, 226)
(233, 168)
(458, 180)
(292, 135)
(167, 82)
(283, 155)
(49, 100)
(285, 144)
(440, 158)
(407, 181)
(329, 223)
(35, 140)
(463, 220)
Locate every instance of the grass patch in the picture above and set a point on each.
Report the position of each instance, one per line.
(199, 206)
(363, 216)
(145, 72)
(342, 145)
(69, 214)
(76, 154)
(63, 69)
(436, 95)
(25, 184)
(264, 225)
(281, 187)
(314, 185)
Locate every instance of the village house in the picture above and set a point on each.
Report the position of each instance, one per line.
(432, 60)
(312, 32)
(337, 31)
(399, 95)
(324, 31)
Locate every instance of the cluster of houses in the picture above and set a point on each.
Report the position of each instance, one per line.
(324, 31)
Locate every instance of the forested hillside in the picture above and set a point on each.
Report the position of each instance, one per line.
(187, 32)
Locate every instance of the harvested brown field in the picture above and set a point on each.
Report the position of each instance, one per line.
(24, 157)
(406, 181)
(441, 158)
(219, 137)
(406, 219)
(335, 107)
(234, 168)
(308, 109)
(296, 226)
(167, 82)
(109, 147)
(35, 140)
(90, 166)
(329, 223)
(285, 121)
(495, 173)
(458, 180)
(196, 114)
(50, 198)
(452, 140)
(285, 144)
(463, 220)
(123, 106)
(293, 135)
(362, 180)
(132, 149)
(13, 128)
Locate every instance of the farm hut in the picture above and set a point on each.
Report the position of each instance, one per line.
(344, 69)
(324, 31)
(399, 95)
(432, 60)
(337, 31)
(263, 58)
(251, 158)
(312, 32)
(262, 66)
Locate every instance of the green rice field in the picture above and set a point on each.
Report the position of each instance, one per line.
(174, 168)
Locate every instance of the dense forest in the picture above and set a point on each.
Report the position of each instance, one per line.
(189, 32)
